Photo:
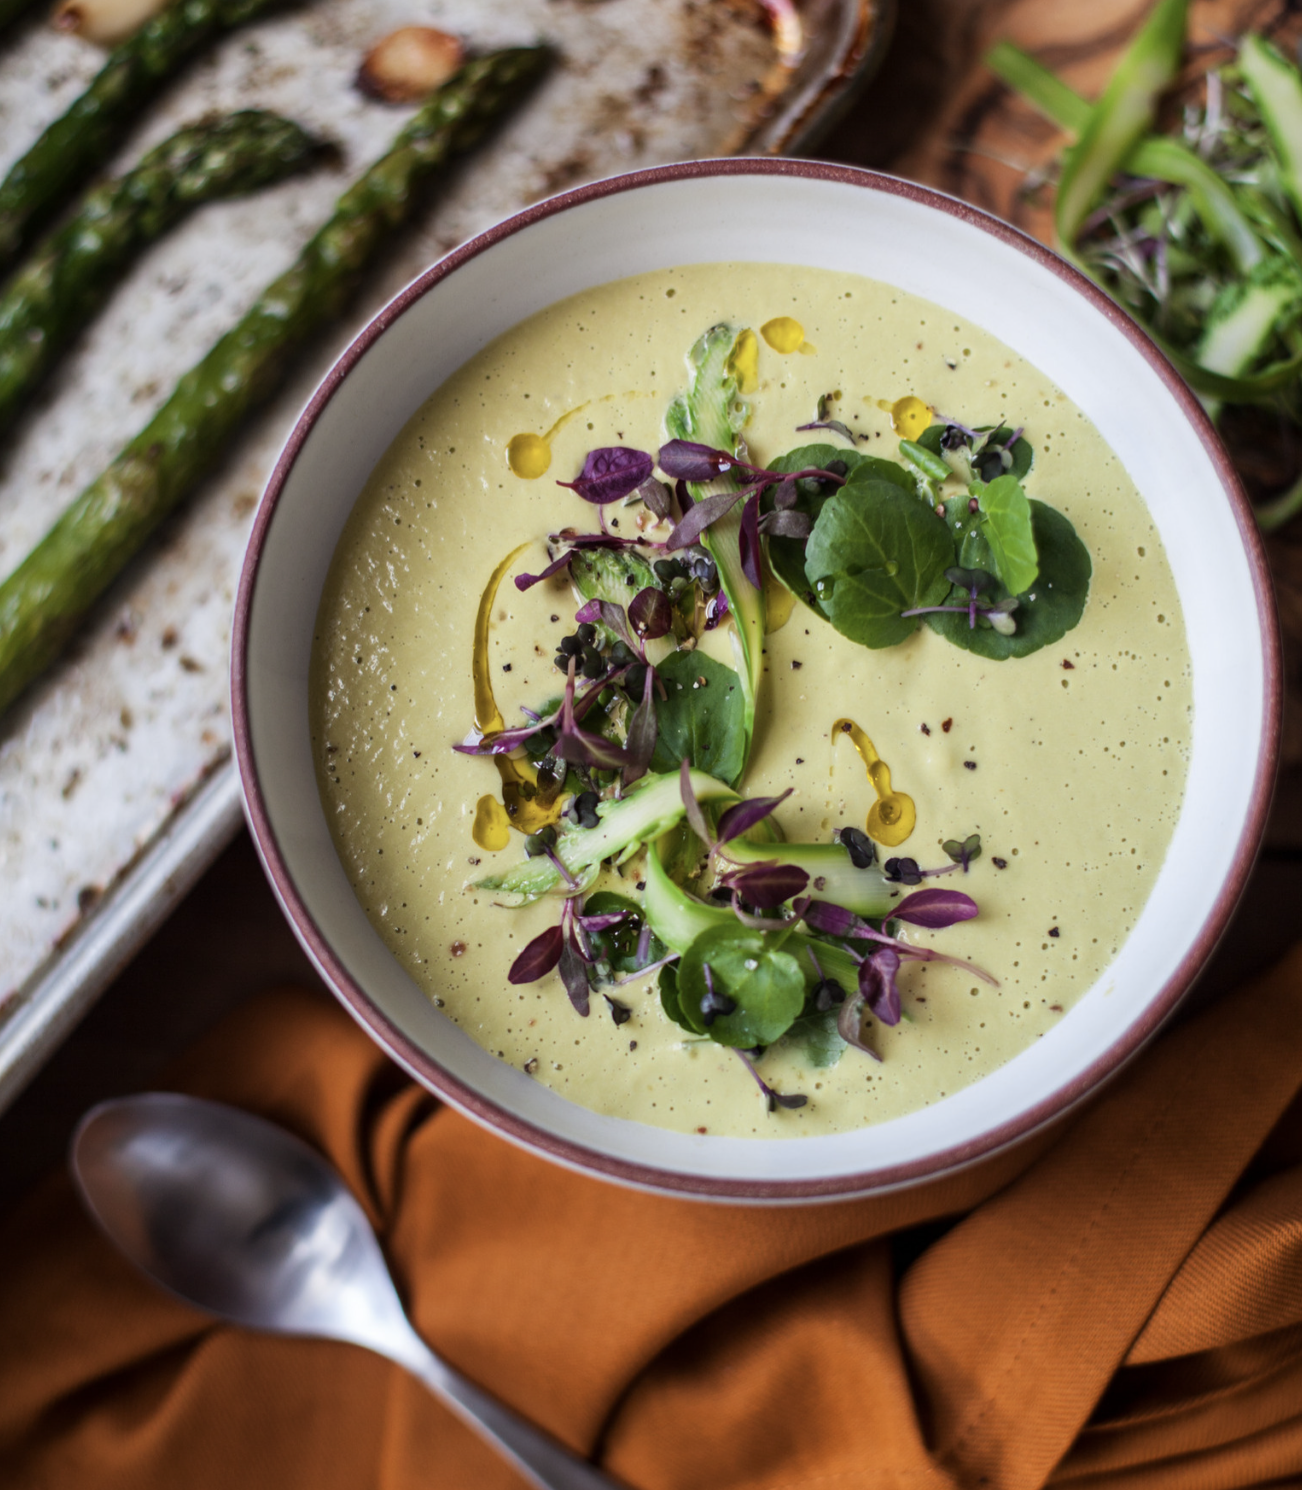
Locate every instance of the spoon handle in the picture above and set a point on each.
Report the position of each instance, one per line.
(539, 1457)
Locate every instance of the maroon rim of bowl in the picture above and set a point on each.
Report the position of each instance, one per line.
(577, 1156)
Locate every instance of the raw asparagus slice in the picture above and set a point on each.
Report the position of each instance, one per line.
(712, 413)
(78, 143)
(44, 599)
(75, 270)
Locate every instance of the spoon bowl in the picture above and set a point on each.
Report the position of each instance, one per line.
(236, 1216)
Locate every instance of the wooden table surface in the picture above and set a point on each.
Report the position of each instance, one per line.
(933, 114)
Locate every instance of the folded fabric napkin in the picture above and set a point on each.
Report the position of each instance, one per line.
(1118, 1303)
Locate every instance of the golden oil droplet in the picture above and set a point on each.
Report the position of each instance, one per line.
(490, 830)
(743, 362)
(783, 334)
(892, 817)
(909, 416)
(779, 602)
(528, 456)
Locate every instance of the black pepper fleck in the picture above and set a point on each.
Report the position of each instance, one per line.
(969, 765)
(506, 667)
(947, 725)
(796, 666)
(999, 863)
(925, 728)
(1053, 931)
(632, 1044)
(1070, 666)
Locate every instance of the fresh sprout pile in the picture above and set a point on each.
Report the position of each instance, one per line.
(638, 766)
(1198, 232)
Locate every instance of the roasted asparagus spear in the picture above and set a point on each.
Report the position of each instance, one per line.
(77, 144)
(69, 277)
(44, 599)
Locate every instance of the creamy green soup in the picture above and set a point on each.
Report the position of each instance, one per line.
(1069, 764)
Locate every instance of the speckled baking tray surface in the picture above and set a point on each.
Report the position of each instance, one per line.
(116, 786)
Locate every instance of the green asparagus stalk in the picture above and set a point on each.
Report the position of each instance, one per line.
(43, 601)
(75, 270)
(1122, 116)
(78, 143)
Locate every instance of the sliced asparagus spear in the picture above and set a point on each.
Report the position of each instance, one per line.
(43, 601)
(78, 143)
(711, 413)
(74, 271)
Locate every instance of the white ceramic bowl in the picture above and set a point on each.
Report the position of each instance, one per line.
(790, 212)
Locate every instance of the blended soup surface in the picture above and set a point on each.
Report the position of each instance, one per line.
(1069, 763)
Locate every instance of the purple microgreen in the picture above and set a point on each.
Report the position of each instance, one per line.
(832, 920)
(743, 816)
(653, 967)
(611, 616)
(574, 974)
(656, 496)
(683, 460)
(773, 1100)
(963, 853)
(902, 871)
(785, 495)
(694, 522)
(603, 922)
(849, 1025)
(692, 807)
(650, 613)
(609, 474)
(539, 957)
(683, 497)
(786, 524)
(640, 744)
(716, 608)
(877, 985)
(1014, 437)
(749, 542)
(767, 886)
(935, 909)
(527, 581)
(834, 425)
(762, 923)
(644, 942)
(559, 867)
(619, 1012)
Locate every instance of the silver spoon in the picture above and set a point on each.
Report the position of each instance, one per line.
(238, 1217)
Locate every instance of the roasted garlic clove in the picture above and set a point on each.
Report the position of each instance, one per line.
(105, 22)
(409, 63)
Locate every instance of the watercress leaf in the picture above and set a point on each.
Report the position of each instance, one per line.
(748, 968)
(931, 437)
(538, 958)
(617, 945)
(669, 1000)
(1044, 614)
(818, 1037)
(610, 474)
(703, 724)
(1007, 530)
(877, 551)
(1021, 451)
(968, 533)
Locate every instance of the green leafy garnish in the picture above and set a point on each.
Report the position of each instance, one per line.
(704, 724)
(617, 945)
(1008, 531)
(876, 551)
(817, 1035)
(1046, 611)
(741, 986)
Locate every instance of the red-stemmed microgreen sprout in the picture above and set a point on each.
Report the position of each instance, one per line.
(773, 1099)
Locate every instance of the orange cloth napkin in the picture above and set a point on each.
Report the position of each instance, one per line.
(1120, 1303)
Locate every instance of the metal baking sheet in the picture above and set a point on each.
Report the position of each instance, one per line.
(116, 783)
